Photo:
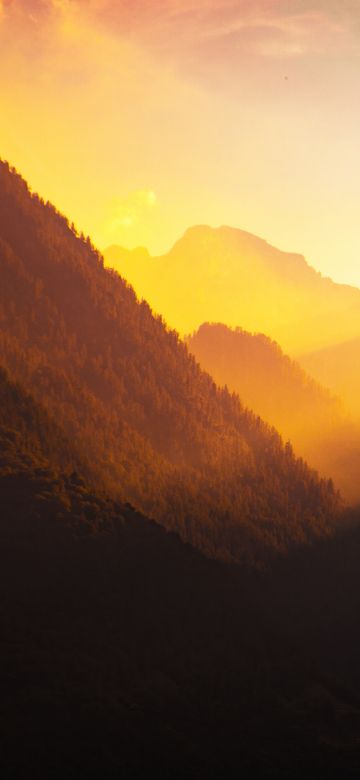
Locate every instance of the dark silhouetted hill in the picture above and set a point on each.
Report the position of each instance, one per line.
(124, 652)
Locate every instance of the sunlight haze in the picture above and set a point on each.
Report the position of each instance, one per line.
(214, 113)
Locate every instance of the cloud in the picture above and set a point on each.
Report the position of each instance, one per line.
(216, 16)
(207, 39)
(270, 37)
(175, 27)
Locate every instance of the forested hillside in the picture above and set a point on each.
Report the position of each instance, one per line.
(282, 393)
(124, 651)
(153, 427)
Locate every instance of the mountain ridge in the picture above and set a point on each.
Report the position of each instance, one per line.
(228, 275)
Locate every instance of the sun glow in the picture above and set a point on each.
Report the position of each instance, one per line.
(247, 116)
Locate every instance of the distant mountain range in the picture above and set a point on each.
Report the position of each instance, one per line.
(230, 276)
(279, 390)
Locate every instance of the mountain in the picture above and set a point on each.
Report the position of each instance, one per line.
(267, 380)
(152, 427)
(124, 651)
(230, 276)
(279, 390)
(337, 366)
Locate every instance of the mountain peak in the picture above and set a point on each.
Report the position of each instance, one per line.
(224, 274)
(232, 234)
(241, 249)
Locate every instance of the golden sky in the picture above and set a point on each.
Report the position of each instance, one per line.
(139, 118)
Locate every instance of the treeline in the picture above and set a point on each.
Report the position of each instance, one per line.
(151, 427)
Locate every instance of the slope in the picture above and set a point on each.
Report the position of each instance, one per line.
(155, 428)
(124, 651)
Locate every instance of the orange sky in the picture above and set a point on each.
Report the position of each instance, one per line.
(140, 118)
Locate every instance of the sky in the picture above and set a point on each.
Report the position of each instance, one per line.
(140, 118)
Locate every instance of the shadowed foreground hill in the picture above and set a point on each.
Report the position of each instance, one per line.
(124, 651)
(150, 425)
(280, 391)
(230, 276)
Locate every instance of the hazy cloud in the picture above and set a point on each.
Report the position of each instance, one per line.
(175, 27)
(190, 21)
